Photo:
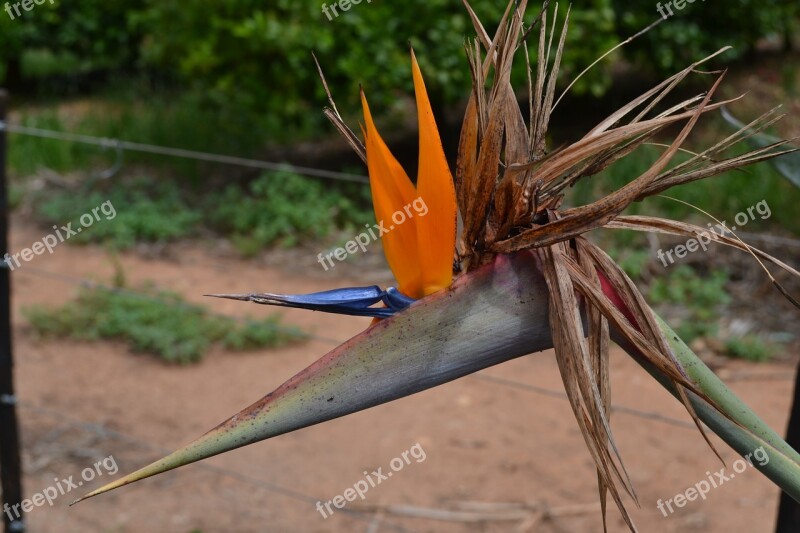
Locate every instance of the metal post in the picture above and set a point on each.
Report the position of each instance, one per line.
(789, 510)
(10, 465)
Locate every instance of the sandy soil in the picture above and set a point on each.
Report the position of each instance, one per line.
(502, 441)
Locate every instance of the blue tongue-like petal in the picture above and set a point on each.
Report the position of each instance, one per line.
(354, 301)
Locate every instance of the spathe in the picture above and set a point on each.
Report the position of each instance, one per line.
(492, 315)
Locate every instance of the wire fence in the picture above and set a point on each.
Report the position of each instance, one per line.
(104, 142)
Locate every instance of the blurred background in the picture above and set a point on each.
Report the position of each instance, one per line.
(143, 104)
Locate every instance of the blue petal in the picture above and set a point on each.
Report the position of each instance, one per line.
(355, 301)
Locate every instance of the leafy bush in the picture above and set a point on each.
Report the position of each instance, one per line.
(633, 260)
(68, 39)
(701, 29)
(750, 348)
(701, 296)
(278, 208)
(285, 208)
(255, 58)
(259, 56)
(161, 324)
(144, 213)
(247, 59)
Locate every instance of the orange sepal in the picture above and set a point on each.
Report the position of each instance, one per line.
(392, 190)
(436, 230)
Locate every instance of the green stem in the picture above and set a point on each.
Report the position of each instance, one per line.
(744, 431)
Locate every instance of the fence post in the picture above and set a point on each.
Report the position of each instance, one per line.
(10, 465)
(789, 510)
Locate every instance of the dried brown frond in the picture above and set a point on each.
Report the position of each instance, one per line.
(336, 119)
(579, 375)
(511, 188)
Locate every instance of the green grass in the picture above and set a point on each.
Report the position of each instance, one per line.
(28, 155)
(283, 209)
(286, 209)
(279, 208)
(176, 198)
(156, 323)
(15, 196)
(701, 296)
(133, 112)
(145, 212)
(750, 348)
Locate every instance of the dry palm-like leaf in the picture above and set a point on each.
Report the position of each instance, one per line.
(580, 376)
(511, 204)
(336, 119)
(599, 336)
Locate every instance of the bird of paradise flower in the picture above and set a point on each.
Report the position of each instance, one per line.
(498, 269)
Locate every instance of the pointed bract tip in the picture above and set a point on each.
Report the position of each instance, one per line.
(94, 493)
(238, 297)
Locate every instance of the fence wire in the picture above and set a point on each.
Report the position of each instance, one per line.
(104, 142)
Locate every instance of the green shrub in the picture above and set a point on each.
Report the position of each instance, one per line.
(702, 28)
(258, 56)
(701, 296)
(634, 260)
(284, 208)
(279, 208)
(69, 39)
(151, 213)
(750, 348)
(161, 324)
(254, 58)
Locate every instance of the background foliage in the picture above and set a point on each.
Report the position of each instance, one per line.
(256, 59)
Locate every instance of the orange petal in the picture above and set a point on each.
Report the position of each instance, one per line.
(392, 191)
(436, 230)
